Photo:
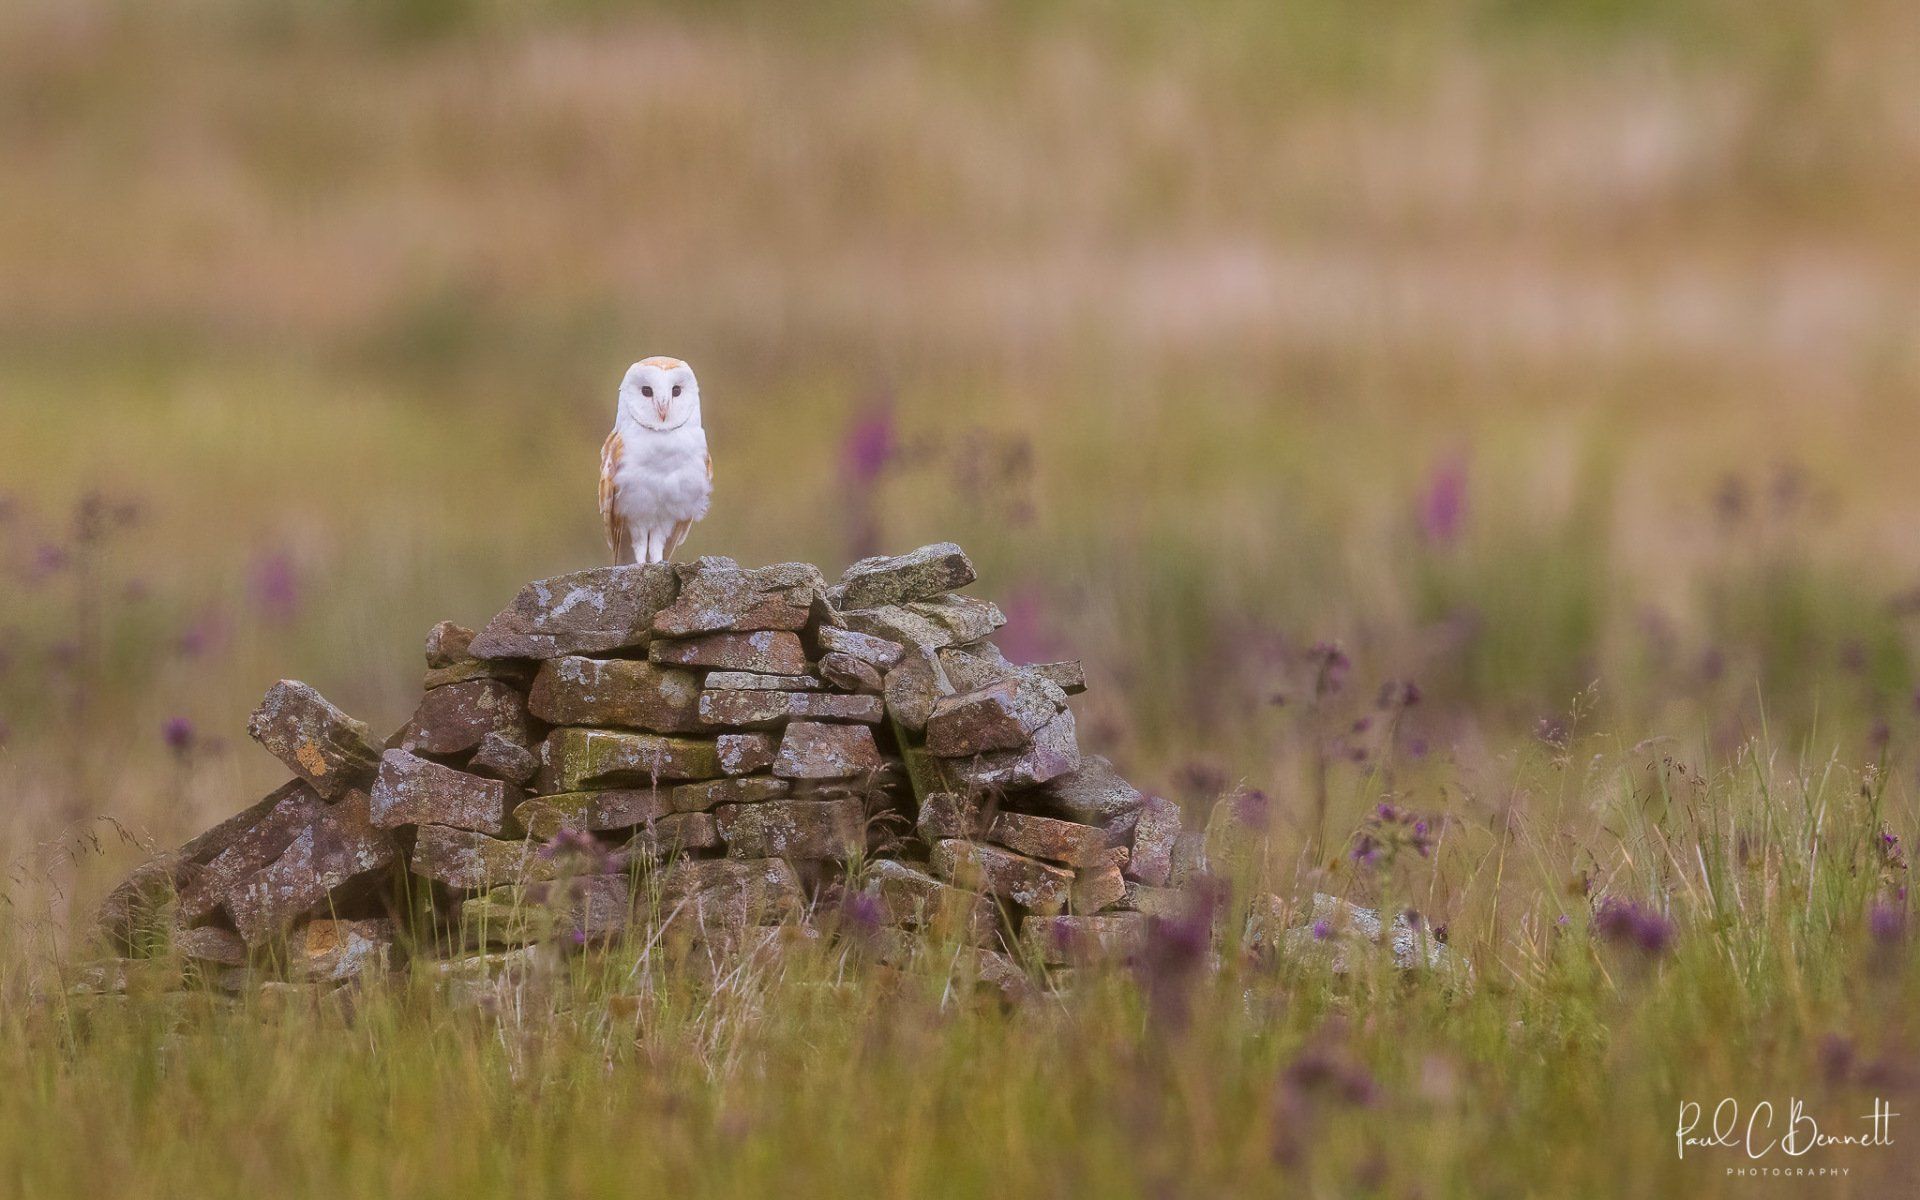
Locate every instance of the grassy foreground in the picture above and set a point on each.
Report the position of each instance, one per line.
(1552, 358)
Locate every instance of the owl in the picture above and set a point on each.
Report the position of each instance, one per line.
(655, 473)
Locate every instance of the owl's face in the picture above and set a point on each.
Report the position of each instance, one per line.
(660, 394)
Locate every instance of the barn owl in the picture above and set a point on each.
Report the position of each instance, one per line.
(655, 473)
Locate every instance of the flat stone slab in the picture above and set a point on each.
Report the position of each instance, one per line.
(935, 624)
(455, 719)
(616, 693)
(1063, 941)
(752, 789)
(716, 598)
(319, 743)
(914, 899)
(764, 653)
(747, 681)
(1156, 832)
(1097, 888)
(1055, 752)
(337, 851)
(850, 674)
(877, 652)
(811, 750)
(912, 688)
(587, 612)
(1003, 715)
(291, 810)
(211, 944)
(331, 951)
(951, 815)
(583, 759)
(675, 833)
(1066, 842)
(723, 892)
(917, 575)
(576, 911)
(501, 757)
(461, 858)
(769, 710)
(411, 790)
(594, 812)
(745, 753)
(793, 829)
(1028, 882)
(1093, 794)
(448, 644)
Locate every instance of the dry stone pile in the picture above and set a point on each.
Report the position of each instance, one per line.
(706, 748)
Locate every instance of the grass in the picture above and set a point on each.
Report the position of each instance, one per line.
(1551, 357)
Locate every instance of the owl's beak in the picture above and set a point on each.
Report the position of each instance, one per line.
(660, 407)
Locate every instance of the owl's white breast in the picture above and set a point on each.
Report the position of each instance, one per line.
(662, 477)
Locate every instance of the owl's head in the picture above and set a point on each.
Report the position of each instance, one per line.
(660, 394)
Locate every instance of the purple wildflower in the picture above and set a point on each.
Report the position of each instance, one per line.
(862, 914)
(871, 443)
(1443, 507)
(1175, 952)
(1322, 930)
(178, 735)
(1627, 922)
(1887, 924)
(275, 585)
(1333, 666)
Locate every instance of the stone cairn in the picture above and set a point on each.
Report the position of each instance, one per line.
(697, 747)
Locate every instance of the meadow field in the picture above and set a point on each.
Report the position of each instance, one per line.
(1501, 410)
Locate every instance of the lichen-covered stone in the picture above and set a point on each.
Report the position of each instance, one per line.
(675, 833)
(1003, 715)
(1341, 933)
(752, 789)
(1028, 882)
(811, 750)
(575, 911)
(1155, 901)
(501, 757)
(411, 790)
(1156, 831)
(745, 753)
(455, 719)
(617, 693)
(850, 674)
(875, 652)
(766, 710)
(747, 681)
(622, 808)
(279, 819)
(1066, 842)
(1059, 941)
(1055, 752)
(729, 599)
(211, 944)
(581, 759)
(794, 829)
(514, 671)
(587, 612)
(330, 951)
(338, 851)
(1070, 677)
(1095, 888)
(934, 624)
(461, 858)
(773, 652)
(951, 815)
(917, 575)
(912, 898)
(447, 644)
(1094, 794)
(914, 686)
(730, 891)
(318, 742)
(976, 665)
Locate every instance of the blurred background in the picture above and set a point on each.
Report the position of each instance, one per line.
(1555, 357)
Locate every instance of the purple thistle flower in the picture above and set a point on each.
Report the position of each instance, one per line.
(275, 585)
(1886, 923)
(178, 735)
(206, 635)
(1175, 951)
(1443, 506)
(1334, 666)
(871, 443)
(862, 914)
(1322, 930)
(1626, 922)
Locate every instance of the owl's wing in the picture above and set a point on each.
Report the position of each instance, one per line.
(619, 537)
(682, 528)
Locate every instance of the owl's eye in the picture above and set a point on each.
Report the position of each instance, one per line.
(676, 389)
(647, 392)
